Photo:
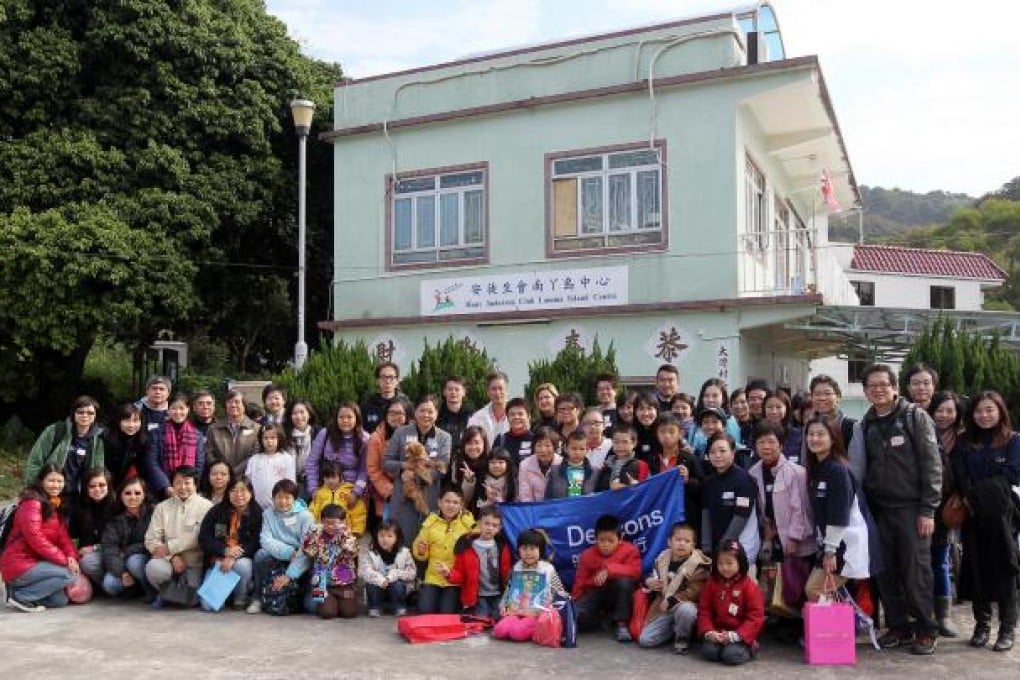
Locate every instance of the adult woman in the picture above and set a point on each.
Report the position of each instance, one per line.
(741, 412)
(381, 489)
(437, 444)
(779, 411)
(40, 560)
(986, 465)
(545, 406)
(841, 530)
(234, 439)
(88, 518)
(469, 466)
(124, 444)
(215, 481)
(301, 426)
(946, 412)
(344, 442)
(646, 411)
(229, 537)
(74, 445)
(124, 554)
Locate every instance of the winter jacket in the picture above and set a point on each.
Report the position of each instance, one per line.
(381, 485)
(212, 536)
(467, 568)
(692, 487)
(375, 572)
(301, 442)
(33, 539)
(717, 598)
(557, 486)
(334, 557)
(87, 520)
(176, 524)
(282, 533)
(54, 444)
(122, 454)
(633, 468)
(351, 459)
(437, 444)
(124, 536)
(357, 513)
(685, 585)
(221, 446)
(625, 562)
(531, 481)
(454, 423)
(790, 504)
(904, 468)
(373, 409)
(441, 536)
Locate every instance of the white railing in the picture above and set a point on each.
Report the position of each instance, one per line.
(789, 262)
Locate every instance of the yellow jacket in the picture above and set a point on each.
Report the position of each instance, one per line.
(357, 514)
(441, 536)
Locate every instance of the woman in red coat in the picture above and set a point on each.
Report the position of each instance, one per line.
(732, 610)
(40, 560)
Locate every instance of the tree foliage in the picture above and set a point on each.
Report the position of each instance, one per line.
(450, 357)
(573, 370)
(333, 373)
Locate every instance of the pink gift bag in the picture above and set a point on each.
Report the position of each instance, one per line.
(830, 636)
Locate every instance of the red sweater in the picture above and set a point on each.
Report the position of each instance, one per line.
(34, 540)
(466, 568)
(625, 562)
(741, 593)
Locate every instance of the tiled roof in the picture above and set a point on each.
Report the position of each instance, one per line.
(925, 262)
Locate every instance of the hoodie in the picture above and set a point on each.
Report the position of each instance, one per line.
(282, 533)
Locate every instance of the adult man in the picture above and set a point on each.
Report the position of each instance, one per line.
(755, 391)
(903, 483)
(234, 440)
(454, 413)
(203, 411)
(387, 382)
(153, 407)
(667, 382)
(492, 417)
(568, 413)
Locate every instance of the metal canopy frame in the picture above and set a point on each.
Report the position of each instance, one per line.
(886, 333)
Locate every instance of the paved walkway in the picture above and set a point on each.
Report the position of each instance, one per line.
(125, 640)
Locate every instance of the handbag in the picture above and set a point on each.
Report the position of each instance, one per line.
(180, 591)
(639, 612)
(80, 591)
(568, 614)
(440, 627)
(954, 512)
(770, 581)
(830, 632)
(548, 629)
(217, 586)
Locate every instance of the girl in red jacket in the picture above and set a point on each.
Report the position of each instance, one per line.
(731, 613)
(39, 560)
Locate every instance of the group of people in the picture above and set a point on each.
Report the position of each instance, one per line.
(392, 504)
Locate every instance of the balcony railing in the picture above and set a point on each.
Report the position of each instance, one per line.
(789, 262)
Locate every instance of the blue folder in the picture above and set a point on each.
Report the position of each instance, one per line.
(217, 586)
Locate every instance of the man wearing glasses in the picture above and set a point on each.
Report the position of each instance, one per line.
(387, 381)
(903, 483)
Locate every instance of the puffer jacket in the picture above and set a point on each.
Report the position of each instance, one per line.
(732, 605)
(441, 536)
(34, 539)
(124, 536)
(374, 571)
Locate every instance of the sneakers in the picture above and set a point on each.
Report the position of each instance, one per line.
(373, 613)
(26, 607)
(982, 632)
(400, 612)
(895, 637)
(924, 645)
(255, 606)
(681, 646)
(1004, 641)
(623, 634)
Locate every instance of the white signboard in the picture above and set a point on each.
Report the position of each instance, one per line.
(591, 287)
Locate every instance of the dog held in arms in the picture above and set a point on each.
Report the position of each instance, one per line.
(417, 476)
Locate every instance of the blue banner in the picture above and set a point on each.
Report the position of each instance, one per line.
(646, 512)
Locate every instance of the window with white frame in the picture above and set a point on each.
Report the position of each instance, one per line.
(783, 244)
(606, 200)
(438, 217)
(755, 207)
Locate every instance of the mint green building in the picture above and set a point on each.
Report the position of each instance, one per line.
(660, 188)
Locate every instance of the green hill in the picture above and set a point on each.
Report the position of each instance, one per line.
(892, 212)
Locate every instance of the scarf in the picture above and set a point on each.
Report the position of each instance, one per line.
(388, 556)
(180, 446)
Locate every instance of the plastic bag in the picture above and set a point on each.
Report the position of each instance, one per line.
(549, 629)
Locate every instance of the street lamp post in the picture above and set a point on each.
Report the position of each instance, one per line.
(302, 110)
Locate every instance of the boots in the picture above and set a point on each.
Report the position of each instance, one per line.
(1004, 641)
(944, 614)
(982, 626)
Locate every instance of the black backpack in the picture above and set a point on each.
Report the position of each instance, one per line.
(7, 523)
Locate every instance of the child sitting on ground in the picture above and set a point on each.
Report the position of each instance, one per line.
(675, 583)
(434, 544)
(333, 550)
(606, 577)
(274, 461)
(388, 570)
(482, 565)
(334, 491)
(532, 586)
(731, 613)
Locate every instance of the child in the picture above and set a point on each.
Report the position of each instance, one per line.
(388, 570)
(482, 565)
(179, 446)
(731, 612)
(435, 544)
(333, 550)
(533, 584)
(274, 398)
(335, 492)
(274, 462)
(518, 441)
(606, 577)
(679, 575)
(574, 476)
(728, 499)
(500, 484)
(596, 424)
(284, 525)
(676, 453)
(711, 421)
(621, 469)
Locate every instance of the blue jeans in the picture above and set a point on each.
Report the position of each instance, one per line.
(676, 624)
(488, 607)
(43, 584)
(439, 600)
(243, 568)
(135, 565)
(396, 593)
(941, 567)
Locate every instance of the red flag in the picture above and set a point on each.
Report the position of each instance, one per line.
(829, 192)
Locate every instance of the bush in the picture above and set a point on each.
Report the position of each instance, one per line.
(110, 365)
(573, 370)
(337, 372)
(452, 357)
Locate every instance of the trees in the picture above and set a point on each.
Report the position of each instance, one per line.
(573, 370)
(450, 357)
(153, 139)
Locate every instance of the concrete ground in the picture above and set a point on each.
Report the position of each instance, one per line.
(111, 640)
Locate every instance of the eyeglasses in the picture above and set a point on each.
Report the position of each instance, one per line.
(878, 386)
(827, 394)
(388, 376)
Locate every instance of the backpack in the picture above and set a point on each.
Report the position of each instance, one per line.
(282, 602)
(7, 523)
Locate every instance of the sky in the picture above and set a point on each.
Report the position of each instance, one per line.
(926, 100)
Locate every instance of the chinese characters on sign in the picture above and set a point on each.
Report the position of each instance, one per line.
(670, 345)
(722, 358)
(561, 289)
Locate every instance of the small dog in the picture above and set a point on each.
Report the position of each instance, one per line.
(417, 476)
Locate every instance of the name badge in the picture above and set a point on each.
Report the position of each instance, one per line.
(430, 444)
(733, 610)
(728, 495)
(778, 486)
(80, 452)
(645, 447)
(898, 440)
(289, 521)
(245, 430)
(822, 486)
(525, 446)
(153, 426)
(743, 502)
(768, 488)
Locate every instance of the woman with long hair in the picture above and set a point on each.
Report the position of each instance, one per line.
(946, 412)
